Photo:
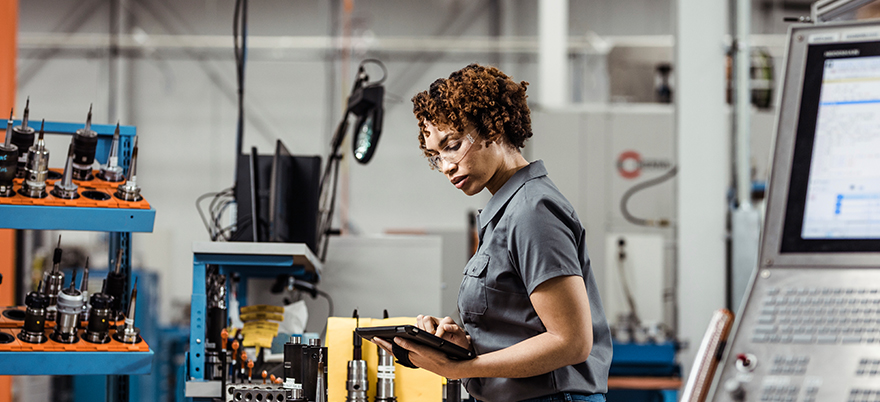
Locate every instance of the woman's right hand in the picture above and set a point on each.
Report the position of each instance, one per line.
(444, 328)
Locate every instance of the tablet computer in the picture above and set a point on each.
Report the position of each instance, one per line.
(414, 334)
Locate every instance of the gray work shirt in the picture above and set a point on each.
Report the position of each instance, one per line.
(528, 233)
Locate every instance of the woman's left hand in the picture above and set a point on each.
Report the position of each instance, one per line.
(429, 359)
(422, 356)
(445, 329)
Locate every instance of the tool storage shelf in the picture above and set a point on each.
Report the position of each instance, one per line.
(248, 260)
(120, 223)
(38, 217)
(41, 217)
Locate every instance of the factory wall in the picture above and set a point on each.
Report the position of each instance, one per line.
(182, 101)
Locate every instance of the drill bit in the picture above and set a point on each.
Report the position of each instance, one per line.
(129, 333)
(40, 143)
(85, 145)
(72, 287)
(23, 138)
(66, 188)
(8, 140)
(27, 111)
(113, 160)
(129, 191)
(111, 171)
(56, 258)
(357, 341)
(53, 281)
(116, 270)
(115, 286)
(84, 285)
(356, 384)
(84, 289)
(132, 305)
(132, 171)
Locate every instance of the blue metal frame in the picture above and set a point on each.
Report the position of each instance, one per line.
(656, 359)
(37, 217)
(120, 223)
(78, 363)
(197, 322)
(644, 359)
(247, 265)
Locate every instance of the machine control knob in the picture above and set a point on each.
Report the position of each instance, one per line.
(736, 390)
(746, 362)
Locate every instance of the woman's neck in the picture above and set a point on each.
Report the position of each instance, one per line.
(512, 162)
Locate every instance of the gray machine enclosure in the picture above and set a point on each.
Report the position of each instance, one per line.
(796, 350)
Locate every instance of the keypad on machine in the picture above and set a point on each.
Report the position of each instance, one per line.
(819, 316)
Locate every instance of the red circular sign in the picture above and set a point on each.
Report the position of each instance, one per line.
(629, 164)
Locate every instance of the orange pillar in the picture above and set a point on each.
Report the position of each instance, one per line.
(8, 47)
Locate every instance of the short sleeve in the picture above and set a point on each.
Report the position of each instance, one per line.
(544, 239)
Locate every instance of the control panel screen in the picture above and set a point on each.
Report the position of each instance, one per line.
(843, 190)
(834, 190)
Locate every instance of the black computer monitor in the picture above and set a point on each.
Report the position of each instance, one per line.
(293, 197)
(281, 191)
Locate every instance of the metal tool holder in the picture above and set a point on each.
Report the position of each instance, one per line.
(120, 222)
(248, 260)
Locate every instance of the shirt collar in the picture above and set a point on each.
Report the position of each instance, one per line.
(505, 193)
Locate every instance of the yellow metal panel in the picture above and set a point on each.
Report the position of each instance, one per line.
(411, 385)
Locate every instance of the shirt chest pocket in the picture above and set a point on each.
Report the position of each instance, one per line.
(472, 294)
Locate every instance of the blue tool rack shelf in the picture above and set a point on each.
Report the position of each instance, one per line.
(120, 223)
(37, 217)
(80, 218)
(76, 363)
(248, 260)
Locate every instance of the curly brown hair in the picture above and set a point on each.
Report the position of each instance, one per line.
(476, 97)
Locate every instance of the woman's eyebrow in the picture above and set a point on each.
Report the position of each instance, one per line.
(440, 145)
(443, 141)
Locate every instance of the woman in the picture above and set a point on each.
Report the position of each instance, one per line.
(528, 301)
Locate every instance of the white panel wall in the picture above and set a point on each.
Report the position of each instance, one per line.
(643, 268)
(373, 273)
(580, 147)
(704, 166)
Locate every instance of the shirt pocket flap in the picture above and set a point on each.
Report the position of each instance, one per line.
(477, 265)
